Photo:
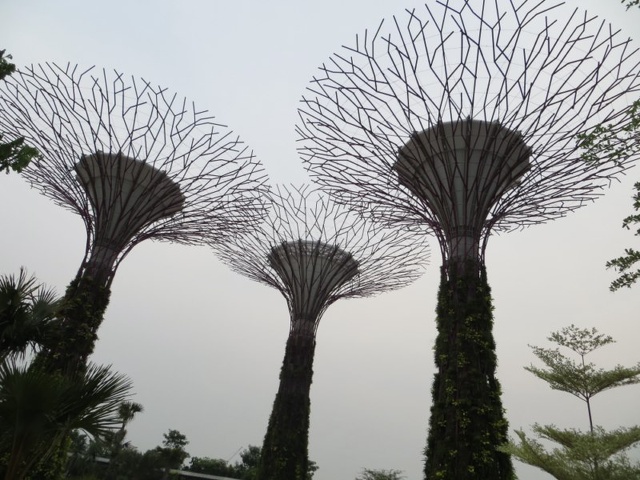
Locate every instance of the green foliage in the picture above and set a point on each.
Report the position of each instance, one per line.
(604, 143)
(212, 466)
(250, 456)
(369, 474)
(593, 455)
(248, 469)
(27, 312)
(6, 68)
(80, 313)
(631, 257)
(39, 409)
(175, 440)
(580, 379)
(172, 454)
(135, 465)
(14, 155)
(128, 463)
(582, 456)
(467, 421)
(114, 443)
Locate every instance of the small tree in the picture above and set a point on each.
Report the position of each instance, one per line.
(250, 456)
(597, 454)
(369, 474)
(173, 453)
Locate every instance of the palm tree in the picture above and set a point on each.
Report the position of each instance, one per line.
(126, 411)
(38, 410)
(27, 314)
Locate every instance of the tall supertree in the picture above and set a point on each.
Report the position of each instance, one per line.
(464, 116)
(136, 162)
(314, 252)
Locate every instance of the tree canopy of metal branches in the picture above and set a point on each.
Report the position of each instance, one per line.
(314, 252)
(465, 116)
(522, 79)
(136, 162)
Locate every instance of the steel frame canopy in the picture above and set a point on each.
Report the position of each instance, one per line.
(136, 162)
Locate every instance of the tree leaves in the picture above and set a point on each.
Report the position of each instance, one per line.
(14, 155)
(597, 454)
(623, 264)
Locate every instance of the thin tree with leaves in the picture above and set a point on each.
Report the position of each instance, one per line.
(596, 454)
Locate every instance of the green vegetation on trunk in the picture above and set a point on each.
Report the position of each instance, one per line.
(285, 450)
(467, 419)
(80, 314)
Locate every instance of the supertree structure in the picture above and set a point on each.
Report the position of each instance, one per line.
(136, 162)
(314, 252)
(464, 116)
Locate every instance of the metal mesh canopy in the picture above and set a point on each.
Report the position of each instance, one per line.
(133, 160)
(534, 71)
(315, 252)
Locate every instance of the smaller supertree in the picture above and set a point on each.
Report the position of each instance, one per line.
(314, 252)
(135, 162)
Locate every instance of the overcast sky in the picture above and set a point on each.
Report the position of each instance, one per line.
(204, 345)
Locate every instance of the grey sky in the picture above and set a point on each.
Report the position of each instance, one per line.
(203, 345)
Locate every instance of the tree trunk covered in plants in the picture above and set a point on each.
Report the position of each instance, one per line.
(80, 315)
(285, 453)
(68, 350)
(467, 419)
